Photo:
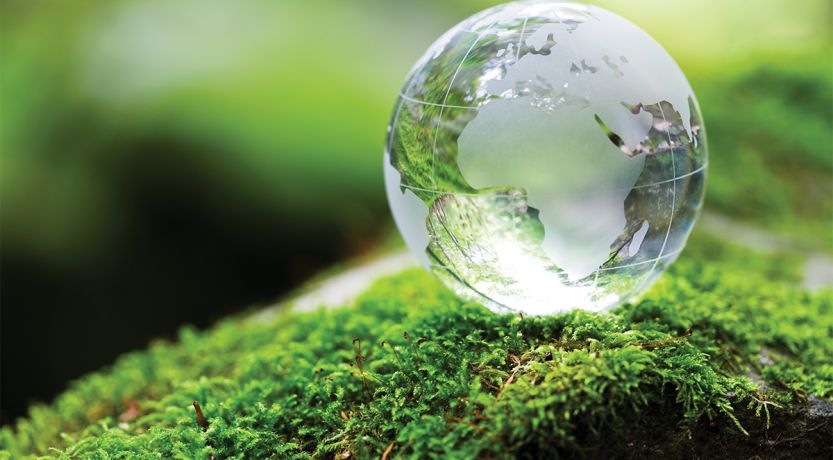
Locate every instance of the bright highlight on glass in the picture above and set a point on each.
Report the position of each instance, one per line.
(546, 156)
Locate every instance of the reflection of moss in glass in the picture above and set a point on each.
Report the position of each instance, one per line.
(466, 231)
(472, 240)
(411, 153)
(424, 155)
(653, 194)
(432, 82)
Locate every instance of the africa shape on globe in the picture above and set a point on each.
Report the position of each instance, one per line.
(546, 156)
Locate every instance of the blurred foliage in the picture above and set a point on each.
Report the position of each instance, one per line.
(771, 137)
(410, 364)
(281, 107)
(170, 162)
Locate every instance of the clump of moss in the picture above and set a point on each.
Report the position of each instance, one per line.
(712, 358)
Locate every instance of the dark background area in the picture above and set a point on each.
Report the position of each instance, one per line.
(170, 163)
(181, 260)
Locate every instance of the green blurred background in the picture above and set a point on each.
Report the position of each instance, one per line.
(173, 162)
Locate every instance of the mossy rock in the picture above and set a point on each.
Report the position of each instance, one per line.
(725, 357)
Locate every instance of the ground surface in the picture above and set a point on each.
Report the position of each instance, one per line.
(724, 357)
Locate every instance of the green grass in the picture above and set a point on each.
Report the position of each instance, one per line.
(412, 365)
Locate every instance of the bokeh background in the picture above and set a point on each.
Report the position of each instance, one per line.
(166, 163)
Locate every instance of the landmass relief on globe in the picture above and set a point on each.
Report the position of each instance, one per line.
(546, 156)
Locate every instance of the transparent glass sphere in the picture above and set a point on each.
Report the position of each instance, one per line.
(546, 156)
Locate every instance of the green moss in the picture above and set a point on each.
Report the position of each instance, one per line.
(410, 363)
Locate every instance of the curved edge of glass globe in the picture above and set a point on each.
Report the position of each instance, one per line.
(434, 205)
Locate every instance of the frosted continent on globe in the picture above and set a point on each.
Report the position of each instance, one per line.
(546, 156)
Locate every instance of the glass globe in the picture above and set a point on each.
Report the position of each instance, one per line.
(546, 156)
